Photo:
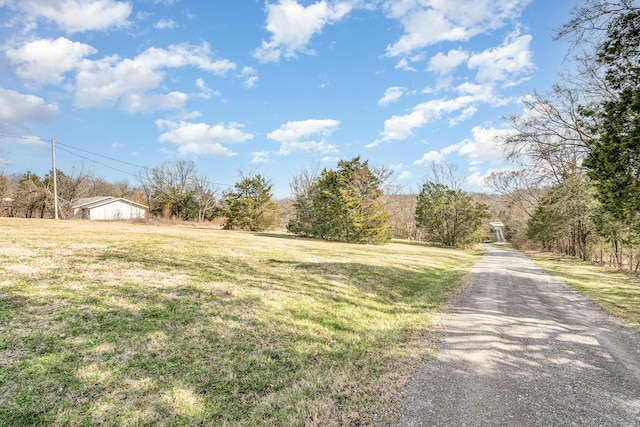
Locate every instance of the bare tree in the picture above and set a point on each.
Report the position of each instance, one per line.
(551, 136)
(402, 217)
(205, 197)
(70, 188)
(302, 183)
(300, 214)
(3, 156)
(445, 173)
(174, 189)
(522, 188)
(590, 20)
(586, 32)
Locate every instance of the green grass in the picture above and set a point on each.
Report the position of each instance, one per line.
(616, 292)
(137, 324)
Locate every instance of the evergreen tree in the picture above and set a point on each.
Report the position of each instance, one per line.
(343, 205)
(449, 217)
(249, 205)
(613, 160)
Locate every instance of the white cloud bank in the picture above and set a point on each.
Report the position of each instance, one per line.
(392, 94)
(45, 61)
(112, 80)
(400, 127)
(73, 16)
(302, 136)
(512, 58)
(482, 147)
(202, 138)
(292, 26)
(430, 22)
(130, 83)
(495, 66)
(17, 109)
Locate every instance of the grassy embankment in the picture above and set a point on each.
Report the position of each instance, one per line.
(137, 324)
(617, 293)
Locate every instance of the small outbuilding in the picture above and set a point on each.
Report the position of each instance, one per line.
(108, 208)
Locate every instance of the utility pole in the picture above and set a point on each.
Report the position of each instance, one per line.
(55, 179)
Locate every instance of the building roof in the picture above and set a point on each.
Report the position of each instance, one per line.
(94, 202)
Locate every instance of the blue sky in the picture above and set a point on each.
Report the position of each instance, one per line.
(271, 87)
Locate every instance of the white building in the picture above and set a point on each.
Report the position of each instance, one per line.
(108, 208)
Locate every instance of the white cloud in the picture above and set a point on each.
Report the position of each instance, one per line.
(430, 157)
(392, 94)
(250, 76)
(404, 175)
(165, 24)
(260, 157)
(330, 159)
(403, 64)
(28, 140)
(429, 22)
(148, 103)
(205, 92)
(182, 55)
(18, 110)
(401, 127)
(466, 114)
(483, 147)
(424, 28)
(143, 15)
(110, 80)
(470, 95)
(483, 91)
(201, 138)
(478, 179)
(445, 63)
(74, 16)
(300, 136)
(292, 26)
(512, 58)
(45, 61)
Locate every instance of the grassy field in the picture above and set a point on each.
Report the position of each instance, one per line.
(141, 324)
(617, 293)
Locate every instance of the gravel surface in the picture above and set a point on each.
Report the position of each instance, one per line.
(522, 349)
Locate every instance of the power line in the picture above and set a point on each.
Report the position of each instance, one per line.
(58, 143)
(100, 155)
(83, 157)
(94, 161)
(31, 138)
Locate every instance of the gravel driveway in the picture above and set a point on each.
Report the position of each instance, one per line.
(522, 349)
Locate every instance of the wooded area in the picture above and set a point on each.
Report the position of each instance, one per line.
(578, 189)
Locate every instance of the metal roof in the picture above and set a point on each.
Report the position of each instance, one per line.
(94, 202)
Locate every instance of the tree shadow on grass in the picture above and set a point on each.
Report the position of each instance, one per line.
(389, 289)
(184, 353)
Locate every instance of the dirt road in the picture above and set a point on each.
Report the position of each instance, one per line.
(522, 349)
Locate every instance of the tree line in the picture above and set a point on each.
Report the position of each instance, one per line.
(578, 189)
(351, 203)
